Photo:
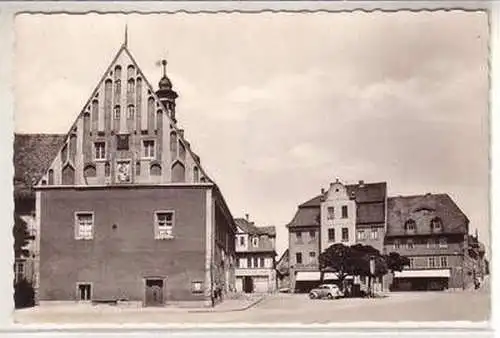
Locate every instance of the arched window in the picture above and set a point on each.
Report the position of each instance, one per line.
(130, 87)
(68, 175)
(410, 225)
(138, 92)
(51, 177)
(89, 171)
(108, 87)
(118, 72)
(95, 109)
(118, 90)
(178, 172)
(117, 112)
(130, 71)
(196, 174)
(155, 169)
(130, 111)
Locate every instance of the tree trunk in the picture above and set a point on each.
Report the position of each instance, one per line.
(370, 285)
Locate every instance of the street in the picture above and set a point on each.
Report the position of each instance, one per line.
(294, 308)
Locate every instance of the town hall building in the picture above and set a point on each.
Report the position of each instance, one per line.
(125, 210)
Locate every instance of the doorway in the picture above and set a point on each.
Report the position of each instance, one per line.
(154, 292)
(247, 284)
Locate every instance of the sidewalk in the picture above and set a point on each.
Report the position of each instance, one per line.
(230, 305)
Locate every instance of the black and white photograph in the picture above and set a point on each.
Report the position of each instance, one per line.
(251, 168)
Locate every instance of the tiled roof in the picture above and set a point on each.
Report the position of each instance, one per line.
(250, 228)
(422, 209)
(33, 154)
(370, 205)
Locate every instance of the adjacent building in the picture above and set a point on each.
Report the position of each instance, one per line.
(433, 233)
(346, 214)
(124, 208)
(255, 257)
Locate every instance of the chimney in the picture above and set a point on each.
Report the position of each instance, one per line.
(247, 217)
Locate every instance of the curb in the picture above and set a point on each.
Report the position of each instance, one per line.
(246, 307)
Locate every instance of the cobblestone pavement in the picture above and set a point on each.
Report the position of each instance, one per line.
(296, 308)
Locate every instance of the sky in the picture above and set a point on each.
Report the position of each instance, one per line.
(279, 105)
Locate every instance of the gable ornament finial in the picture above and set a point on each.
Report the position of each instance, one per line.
(125, 41)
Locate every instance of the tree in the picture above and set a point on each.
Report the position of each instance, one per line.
(396, 262)
(21, 237)
(361, 257)
(24, 294)
(336, 258)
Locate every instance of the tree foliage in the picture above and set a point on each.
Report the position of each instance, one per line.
(396, 262)
(21, 237)
(24, 294)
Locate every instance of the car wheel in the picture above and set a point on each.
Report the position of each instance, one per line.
(329, 296)
(312, 295)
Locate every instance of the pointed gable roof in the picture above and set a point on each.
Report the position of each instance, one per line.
(124, 52)
(250, 228)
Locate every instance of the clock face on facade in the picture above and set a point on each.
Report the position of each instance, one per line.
(123, 172)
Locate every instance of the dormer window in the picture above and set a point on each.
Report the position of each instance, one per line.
(255, 241)
(410, 225)
(436, 224)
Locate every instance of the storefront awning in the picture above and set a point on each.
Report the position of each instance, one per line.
(422, 273)
(316, 276)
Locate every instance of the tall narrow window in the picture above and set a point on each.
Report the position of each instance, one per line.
(137, 168)
(331, 235)
(130, 90)
(138, 95)
(242, 241)
(409, 244)
(148, 149)
(130, 111)
(117, 112)
(374, 233)
(298, 257)
(330, 213)
(118, 90)
(361, 235)
(431, 243)
(249, 262)
(444, 261)
(196, 174)
(255, 241)
(173, 142)
(345, 235)
(412, 262)
(312, 235)
(118, 72)
(255, 262)
(432, 262)
(397, 244)
(51, 177)
(410, 225)
(344, 211)
(95, 110)
(164, 224)
(107, 169)
(100, 150)
(298, 236)
(130, 71)
(262, 262)
(84, 224)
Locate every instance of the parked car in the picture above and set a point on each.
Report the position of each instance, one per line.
(329, 291)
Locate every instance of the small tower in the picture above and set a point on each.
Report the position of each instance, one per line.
(166, 94)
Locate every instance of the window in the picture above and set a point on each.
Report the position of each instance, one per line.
(409, 244)
(330, 213)
(436, 224)
(374, 233)
(238, 263)
(100, 150)
(312, 235)
(118, 90)
(138, 168)
(249, 262)
(197, 287)
(345, 235)
(431, 243)
(130, 111)
(298, 257)
(164, 224)
(122, 142)
(344, 211)
(261, 262)
(397, 244)
(84, 223)
(131, 86)
(410, 225)
(443, 243)
(361, 235)
(412, 262)
(148, 149)
(432, 262)
(298, 236)
(255, 262)
(444, 261)
(331, 235)
(312, 254)
(255, 241)
(107, 169)
(84, 291)
(19, 270)
(117, 112)
(242, 241)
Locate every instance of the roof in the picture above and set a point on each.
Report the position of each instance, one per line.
(33, 154)
(250, 228)
(370, 205)
(422, 209)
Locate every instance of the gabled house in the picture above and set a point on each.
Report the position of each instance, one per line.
(124, 208)
(255, 257)
(433, 232)
(345, 213)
